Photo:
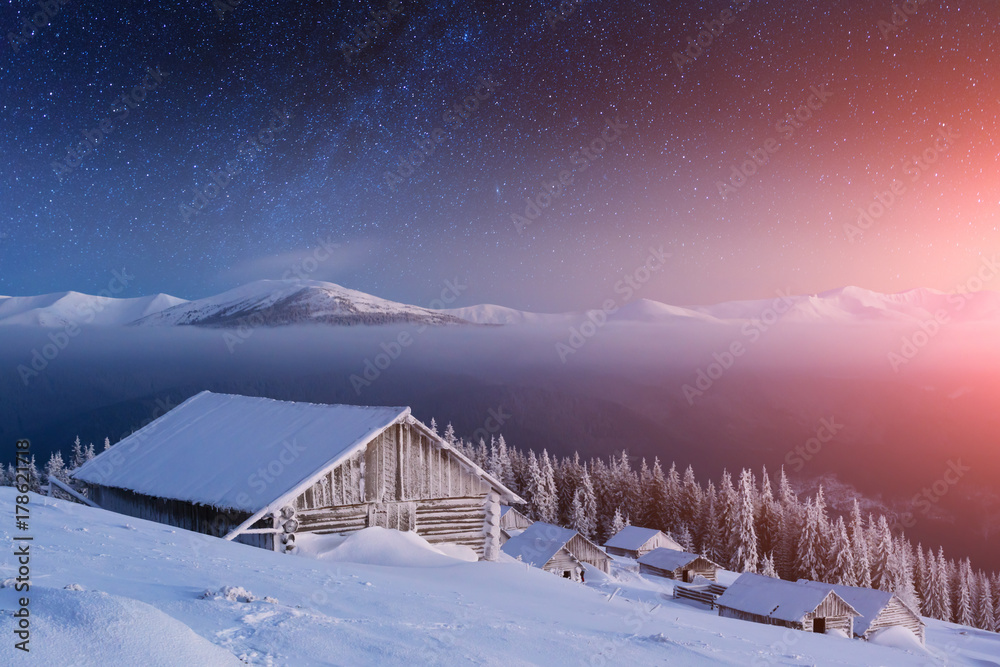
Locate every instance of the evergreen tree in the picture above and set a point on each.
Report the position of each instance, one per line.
(672, 519)
(881, 574)
(685, 539)
(767, 567)
(708, 526)
(901, 568)
(944, 585)
(107, 444)
(89, 452)
(985, 613)
(434, 426)
(843, 568)
(589, 502)
(545, 500)
(964, 611)
(535, 485)
(809, 562)
(78, 456)
(449, 434)
(745, 557)
(617, 523)
(657, 500)
(922, 579)
(690, 497)
(56, 468)
(578, 519)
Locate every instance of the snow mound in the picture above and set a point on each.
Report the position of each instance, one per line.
(231, 593)
(95, 628)
(376, 546)
(896, 637)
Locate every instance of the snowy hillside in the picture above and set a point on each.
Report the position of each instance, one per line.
(277, 302)
(104, 582)
(65, 308)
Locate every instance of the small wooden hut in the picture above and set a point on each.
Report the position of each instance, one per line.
(561, 551)
(259, 471)
(754, 597)
(679, 565)
(512, 522)
(878, 610)
(634, 541)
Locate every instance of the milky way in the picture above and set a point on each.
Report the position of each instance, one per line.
(535, 151)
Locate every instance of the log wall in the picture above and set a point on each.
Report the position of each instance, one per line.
(896, 613)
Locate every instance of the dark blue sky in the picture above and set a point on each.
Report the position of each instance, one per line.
(322, 176)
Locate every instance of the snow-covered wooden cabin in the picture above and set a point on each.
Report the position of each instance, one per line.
(754, 597)
(878, 609)
(634, 541)
(561, 551)
(679, 565)
(258, 471)
(512, 522)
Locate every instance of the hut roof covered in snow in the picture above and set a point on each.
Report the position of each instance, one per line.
(668, 559)
(223, 450)
(634, 538)
(867, 601)
(773, 598)
(538, 543)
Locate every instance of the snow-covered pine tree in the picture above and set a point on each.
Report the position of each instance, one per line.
(944, 585)
(88, 452)
(434, 426)
(745, 557)
(708, 526)
(449, 434)
(107, 444)
(504, 463)
(56, 468)
(546, 500)
(985, 613)
(901, 566)
(672, 518)
(617, 523)
(843, 568)
(727, 507)
(690, 497)
(34, 479)
(578, 520)
(768, 517)
(922, 578)
(78, 456)
(859, 546)
(685, 539)
(809, 563)
(881, 572)
(534, 484)
(767, 566)
(657, 499)
(964, 611)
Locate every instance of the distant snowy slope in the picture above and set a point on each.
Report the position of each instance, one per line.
(277, 302)
(492, 314)
(64, 308)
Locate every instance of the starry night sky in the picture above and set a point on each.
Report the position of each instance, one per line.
(323, 176)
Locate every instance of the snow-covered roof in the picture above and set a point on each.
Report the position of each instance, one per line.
(867, 601)
(631, 538)
(774, 598)
(236, 452)
(667, 559)
(538, 543)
